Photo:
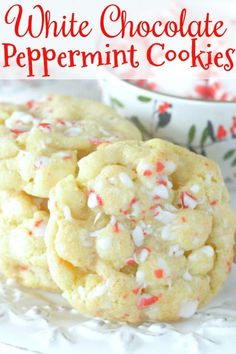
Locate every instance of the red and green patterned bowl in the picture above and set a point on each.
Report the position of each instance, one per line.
(205, 127)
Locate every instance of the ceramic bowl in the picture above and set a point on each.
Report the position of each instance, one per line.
(205, 127)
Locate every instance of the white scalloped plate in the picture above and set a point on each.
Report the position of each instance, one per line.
(42, 323)
(38, 322)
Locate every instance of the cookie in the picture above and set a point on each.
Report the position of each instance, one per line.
(145, 232)
(41, 142)
(23, 221)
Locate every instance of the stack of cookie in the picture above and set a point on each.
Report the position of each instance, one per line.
(135, 231)
(41, 143)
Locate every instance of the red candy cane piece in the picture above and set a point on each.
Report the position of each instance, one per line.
(38, 223)
(147, 173)
(159, 273)
(18, 131)
(147, 301)
(188, 200)
(130, 262)
(159, 167)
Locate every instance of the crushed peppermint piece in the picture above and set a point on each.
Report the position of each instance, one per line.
(188, 308)
(188, 200)
(94, 200)
(41, 162)
(136, 291)
(145, 168)
(130, 261)
(161, 191)
(39, 228)
(147, 300)
(164, 216)
(126, 180)
(159, 273)
(147, 173)
(138, 236)
(142, 254)
(159, 167)
(214, 203)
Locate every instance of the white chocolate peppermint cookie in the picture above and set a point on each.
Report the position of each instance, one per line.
(144, 233)
(41, 142)
(23, 220)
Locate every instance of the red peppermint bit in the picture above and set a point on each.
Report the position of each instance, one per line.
(147, 173)
(60, 121)
(67, 158)
(159, 167)
(97, 142)
(29, 104)
(148, 301)
(159, 273)
(130, 262)
(214, 202)
(133, 201)
(124, 212)
(99, 199)
(38, 223)
(116, 227)
(156, 197)
(186, 203)
(229, 266)
(162, 182)
(45, 125)
(18, 131)
(22, 268)
(147, 248)
(136, 291)
(154, 206)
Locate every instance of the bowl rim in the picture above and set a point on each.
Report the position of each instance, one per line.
(168, 96)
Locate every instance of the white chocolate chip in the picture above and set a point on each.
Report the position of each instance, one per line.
(138, 236)
(161, 191)
(140, 279)
(92, 200)
(126, 180)
(188, 308)
(175, 251)
(67, 213)
(104, 243)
